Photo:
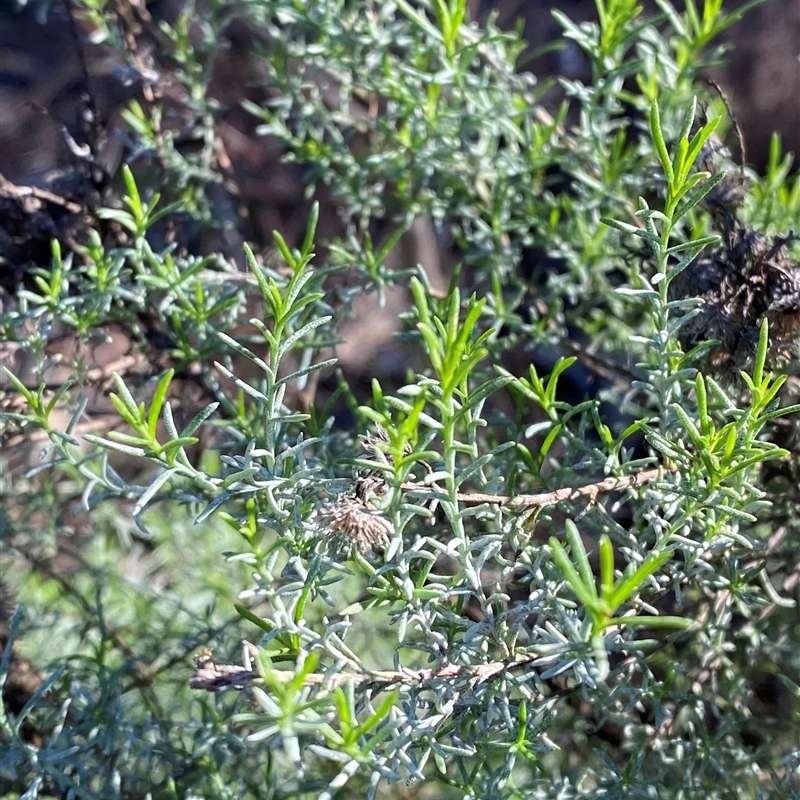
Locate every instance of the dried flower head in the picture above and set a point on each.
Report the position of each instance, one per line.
(354, 523)
(371, 443)
(745, 281)
(371, 483)
(372, 446)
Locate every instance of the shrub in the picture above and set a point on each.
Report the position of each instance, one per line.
(557, 558)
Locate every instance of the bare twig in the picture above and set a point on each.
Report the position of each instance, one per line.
(548, 498)
(11, 190)
(213, 677)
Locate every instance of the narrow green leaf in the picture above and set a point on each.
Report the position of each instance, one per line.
(696, 244)
(299, 334)
(699, 140)
(579, 555)
(696, 196)
(126, 438)
(168, 209)
(254, 267)
(221, 498)
(706, 423)
(481, 462)
(694, 434)
(650, 622)
(688, 120)
(311, 228)
(606, 567)
(626, 227)
(379, 714)
(666, 447)
(157, 402)
(484, 390)
(199, 419)
(35, 699)
(761, 353)
(726, 510)
(293, 301)
(122, 410)
(245, 387)
(286, 253)
(29, 396)
(176, 444)
(548, 442)
(58, 395)
(633, 583)
(135, 201)
(561, 366)
(110, 445)
(419, 19)
(782, 412)
(127, 398)
(245, 613)
(243, 351)
(769, 455)
(586, 595)
(306, 371)
(661, 147)
(647, 294)
(769, 393)
(151, 491)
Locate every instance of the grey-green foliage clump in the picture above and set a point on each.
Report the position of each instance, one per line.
(485, 584)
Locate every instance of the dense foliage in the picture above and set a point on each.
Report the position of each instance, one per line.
(548, 550)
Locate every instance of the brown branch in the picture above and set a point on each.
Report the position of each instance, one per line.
(11, 190)
(548, 498)
(212, 677)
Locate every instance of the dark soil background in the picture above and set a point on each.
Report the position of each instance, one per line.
(50, 71)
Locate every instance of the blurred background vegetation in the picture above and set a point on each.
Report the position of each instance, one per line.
(204, 101)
